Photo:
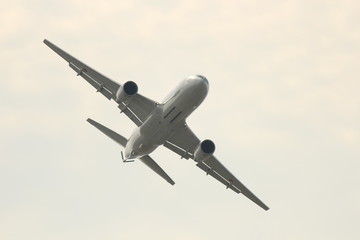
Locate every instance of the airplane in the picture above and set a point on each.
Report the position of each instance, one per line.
(159, 123)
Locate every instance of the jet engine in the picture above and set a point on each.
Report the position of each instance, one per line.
(204, 150)
(126, 91)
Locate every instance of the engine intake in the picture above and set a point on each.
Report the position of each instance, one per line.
(204, 150)
(126, 91)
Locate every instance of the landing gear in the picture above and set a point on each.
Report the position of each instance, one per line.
(125, 160)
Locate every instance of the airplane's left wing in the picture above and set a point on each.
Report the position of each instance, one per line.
(138, 109)
(184, 143)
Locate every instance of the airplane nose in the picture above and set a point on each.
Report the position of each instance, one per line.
(203, 78)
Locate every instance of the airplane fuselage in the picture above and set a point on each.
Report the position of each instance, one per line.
(167, 117)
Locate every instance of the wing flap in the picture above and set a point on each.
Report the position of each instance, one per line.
(183, 153)
(218, 177)
(98, 86)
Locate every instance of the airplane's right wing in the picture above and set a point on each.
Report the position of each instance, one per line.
(138, 109)
(184, 143)
(101, 83)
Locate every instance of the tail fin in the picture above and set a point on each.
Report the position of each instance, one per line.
(147, 160)
(108, 132)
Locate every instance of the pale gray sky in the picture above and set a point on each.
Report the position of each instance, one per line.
(283, 110)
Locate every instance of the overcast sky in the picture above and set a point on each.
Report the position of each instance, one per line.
(283, 110)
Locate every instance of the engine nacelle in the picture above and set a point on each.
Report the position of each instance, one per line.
(204, 150)
(126, 91)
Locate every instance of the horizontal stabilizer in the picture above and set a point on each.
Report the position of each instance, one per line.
(108, 132)
(148, 161)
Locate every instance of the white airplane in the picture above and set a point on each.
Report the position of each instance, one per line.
(159, 123)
